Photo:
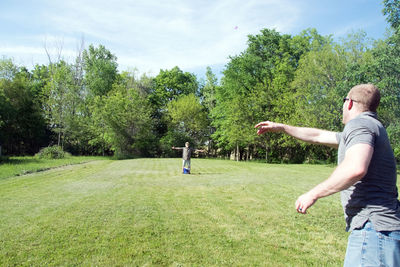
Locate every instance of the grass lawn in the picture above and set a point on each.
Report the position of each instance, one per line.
(14, 166)
(145, 212)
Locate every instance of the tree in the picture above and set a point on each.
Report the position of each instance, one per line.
(392, 11)
(127, 123)
(187, 122)
(208, 100)
(22, 126)
(167, 86)
(61, 97)
(100, 67)
(255, 86)
(246, 80)
(143, 85)
(208, 90)
(385, 68)
(188, 116)
(170, 84)
(8, 69)
(121, 120)
(317, 78)
(77, 131)
(318, 98)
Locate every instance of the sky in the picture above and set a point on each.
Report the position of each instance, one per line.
(149, 35)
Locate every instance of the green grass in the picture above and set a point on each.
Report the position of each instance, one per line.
(14, 166)
(144, 212)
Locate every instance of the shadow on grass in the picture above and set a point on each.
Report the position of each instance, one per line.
(202, 173)
(14, 161)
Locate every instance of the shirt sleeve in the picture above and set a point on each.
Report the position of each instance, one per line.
(358, 134)
(338, 137)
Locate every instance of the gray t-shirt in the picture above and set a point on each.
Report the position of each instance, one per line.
(186, 152)
(374, 197)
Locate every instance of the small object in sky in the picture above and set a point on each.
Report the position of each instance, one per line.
(236, 27)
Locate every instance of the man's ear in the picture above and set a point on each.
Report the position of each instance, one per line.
(350, 104)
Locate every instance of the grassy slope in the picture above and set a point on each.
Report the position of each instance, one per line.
(24, 165)
(145, 212)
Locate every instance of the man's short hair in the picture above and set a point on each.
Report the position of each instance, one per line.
(367, 95)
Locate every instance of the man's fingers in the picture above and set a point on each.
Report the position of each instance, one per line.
(301, 210)
(261, 124)
(300, 207)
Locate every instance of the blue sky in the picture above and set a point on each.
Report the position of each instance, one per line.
(150, 35)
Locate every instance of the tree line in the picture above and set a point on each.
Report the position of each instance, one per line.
(88, 107)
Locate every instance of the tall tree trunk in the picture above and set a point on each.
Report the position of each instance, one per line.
(59, 138)
(237, 151)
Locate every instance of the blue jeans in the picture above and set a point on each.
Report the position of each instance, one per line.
(186, 163)
(367, 247)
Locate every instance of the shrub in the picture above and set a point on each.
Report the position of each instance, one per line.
(52, 152)
(3, 159)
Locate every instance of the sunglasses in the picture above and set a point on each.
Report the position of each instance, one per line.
(346, 98)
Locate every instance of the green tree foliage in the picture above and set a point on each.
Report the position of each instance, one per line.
(187, 122)
(100, 67)
(59, 94)
(167, 86)
(143, 85)
(315, 86)
(318, 99)
(22, 126)
(208, 90)
(64, 104)
(256, 86)
(123, 122)
(170, 84)
(392, 11)
(88, 107)
(386, 71)
(8, 69)
(208, 99)
(393, 131)
(188, 116)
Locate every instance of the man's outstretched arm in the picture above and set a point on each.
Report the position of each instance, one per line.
(309, 135)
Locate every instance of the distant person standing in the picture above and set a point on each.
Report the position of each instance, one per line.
(186, 156)
(365, 176)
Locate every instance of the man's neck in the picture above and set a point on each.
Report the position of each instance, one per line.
(354, 115)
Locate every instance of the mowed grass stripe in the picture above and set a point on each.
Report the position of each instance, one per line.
(145, 212)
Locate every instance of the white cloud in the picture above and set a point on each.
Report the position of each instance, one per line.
(162, 34)
(155, 34)
(20, 50)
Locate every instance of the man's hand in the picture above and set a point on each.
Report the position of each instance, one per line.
(269, 126)
(304, 202)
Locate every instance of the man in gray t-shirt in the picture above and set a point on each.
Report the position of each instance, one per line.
(365, 176)
(374, 197)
